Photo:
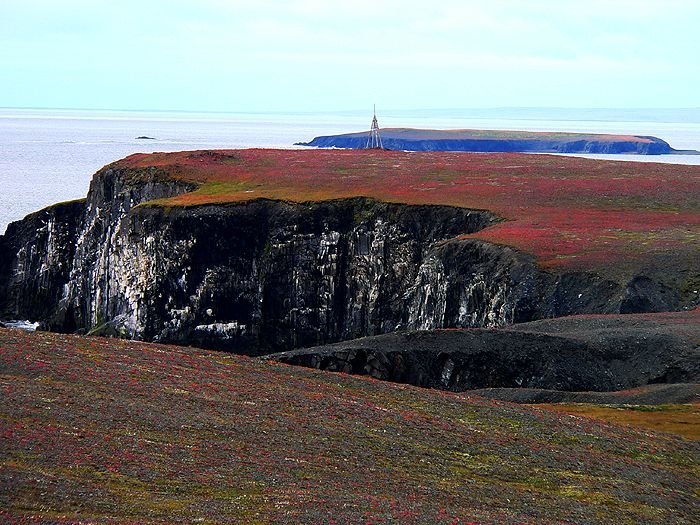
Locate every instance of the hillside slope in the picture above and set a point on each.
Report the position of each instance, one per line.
(102, 431)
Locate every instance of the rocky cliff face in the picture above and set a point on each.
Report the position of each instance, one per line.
(264, 275)
(36, 257)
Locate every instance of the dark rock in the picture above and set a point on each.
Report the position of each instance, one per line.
(572, 354)
(485, 141)
(645, 295)
(35, 260)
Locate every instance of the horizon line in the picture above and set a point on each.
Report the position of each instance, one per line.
(291, 111)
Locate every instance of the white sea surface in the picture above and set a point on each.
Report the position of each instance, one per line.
(49, 155)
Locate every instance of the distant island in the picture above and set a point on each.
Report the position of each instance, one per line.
(474, 140)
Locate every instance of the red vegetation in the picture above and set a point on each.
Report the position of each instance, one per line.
(569, 212)
(94, 430)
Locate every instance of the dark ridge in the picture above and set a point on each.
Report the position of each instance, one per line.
(583, 353)
(500, 141)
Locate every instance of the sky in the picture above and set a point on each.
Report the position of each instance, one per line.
(321, 55)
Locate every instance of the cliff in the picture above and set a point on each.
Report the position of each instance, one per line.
(257, 251)
(408, 139)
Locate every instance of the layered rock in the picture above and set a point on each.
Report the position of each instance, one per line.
(36, 257)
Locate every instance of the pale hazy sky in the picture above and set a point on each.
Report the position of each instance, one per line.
(317, 55)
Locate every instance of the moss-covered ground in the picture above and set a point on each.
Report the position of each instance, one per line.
(683, 420)
(94, 430)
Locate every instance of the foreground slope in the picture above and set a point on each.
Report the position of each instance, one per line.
(102, 431)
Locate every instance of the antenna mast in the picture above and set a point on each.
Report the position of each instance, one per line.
(374, 141)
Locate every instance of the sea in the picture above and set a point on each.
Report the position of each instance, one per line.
(49, 155)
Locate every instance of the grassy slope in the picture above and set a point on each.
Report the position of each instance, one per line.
(569, 212)
(683, 420)
(108, 431)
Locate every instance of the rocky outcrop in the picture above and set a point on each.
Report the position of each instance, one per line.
(467, 140)
(250, 277)
(572, 354)
(262, 276)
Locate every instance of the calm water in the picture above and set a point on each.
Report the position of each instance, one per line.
(48, 156)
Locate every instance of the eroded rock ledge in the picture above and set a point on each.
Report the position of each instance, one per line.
(580, 353)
